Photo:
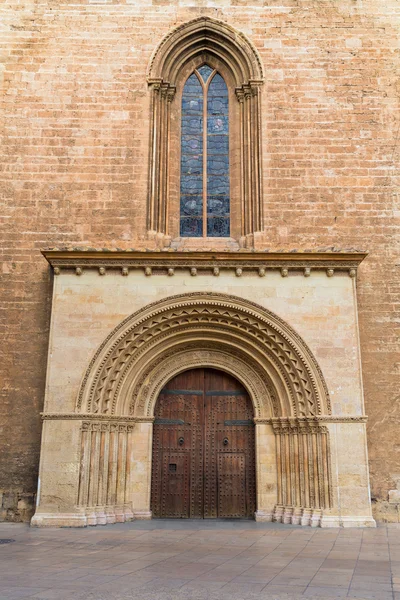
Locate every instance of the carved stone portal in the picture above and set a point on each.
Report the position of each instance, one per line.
(107, 440)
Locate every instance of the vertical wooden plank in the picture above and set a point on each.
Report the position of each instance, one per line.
(216, 398)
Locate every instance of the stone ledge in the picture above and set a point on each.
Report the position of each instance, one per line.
(242, 262)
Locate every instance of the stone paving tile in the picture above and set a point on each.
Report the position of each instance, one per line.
(332, 592)
(370, 595)
(199, 584)
(164, 560)
(287, 589)
(14, 593)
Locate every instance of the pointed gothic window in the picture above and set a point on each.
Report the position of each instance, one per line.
(205, 163)
(205, 186)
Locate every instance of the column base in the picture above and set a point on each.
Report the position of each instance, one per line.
(59, 520)
(88, 517)
(315, 517)
(142, 515)
(263, 516)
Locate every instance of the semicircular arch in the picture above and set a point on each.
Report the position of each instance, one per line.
(220, 324)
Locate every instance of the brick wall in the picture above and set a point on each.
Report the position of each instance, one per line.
(74, 154)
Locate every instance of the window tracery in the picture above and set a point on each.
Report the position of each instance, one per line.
(204, 181)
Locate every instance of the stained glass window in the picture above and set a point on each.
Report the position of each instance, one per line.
(205, 198)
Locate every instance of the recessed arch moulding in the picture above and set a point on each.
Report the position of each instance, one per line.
(277, 368)
(111, 437)
(205, 39)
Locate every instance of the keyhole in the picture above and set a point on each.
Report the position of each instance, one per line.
(225, 441)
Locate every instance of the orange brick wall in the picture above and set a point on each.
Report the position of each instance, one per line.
(74, 154)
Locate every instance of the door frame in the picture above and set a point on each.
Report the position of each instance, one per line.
(249, 449)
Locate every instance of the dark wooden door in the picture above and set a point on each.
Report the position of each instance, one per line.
(203, 448)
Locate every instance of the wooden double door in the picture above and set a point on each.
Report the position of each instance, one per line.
(203, 448)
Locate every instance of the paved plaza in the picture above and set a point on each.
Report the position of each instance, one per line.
(199, 560)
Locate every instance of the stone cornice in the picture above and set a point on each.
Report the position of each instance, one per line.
(94, 417)
(166, 262)
(293, 421)
(290, 421)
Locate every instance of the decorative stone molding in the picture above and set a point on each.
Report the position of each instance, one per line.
(208, 38)
(297, 421)
(211, 263)
(106, 456)
(303, 464)
(90, 416)
(221, 320)
(143, 395)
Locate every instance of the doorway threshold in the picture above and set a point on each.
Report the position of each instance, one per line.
(202, 524)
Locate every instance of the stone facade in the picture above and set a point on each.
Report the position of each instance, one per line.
(123, 326)
(75, 156)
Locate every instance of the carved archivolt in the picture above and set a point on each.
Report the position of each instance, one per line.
(216, 42)
(227, 332)
(145, 393)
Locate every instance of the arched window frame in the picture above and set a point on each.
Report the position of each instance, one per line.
(205, 40)
(175, 145)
